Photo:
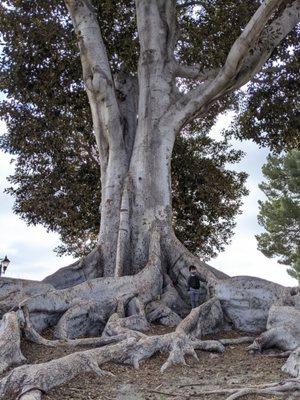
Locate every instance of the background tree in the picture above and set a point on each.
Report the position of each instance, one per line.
(280, 213)
(57, 178)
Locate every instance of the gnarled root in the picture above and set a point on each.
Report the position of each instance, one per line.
(131, 326)
(158, 312)
(119, 309)
(292, 364)
(186, 337)
(131, 351)
(13, 291)
(85, 319)
(283, 330)
(31, 395)
(205, 319)
(287, 387)
(10, 352)
(46, 309)
(32, 335)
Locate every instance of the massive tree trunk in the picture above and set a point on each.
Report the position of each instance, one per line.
(136, 118)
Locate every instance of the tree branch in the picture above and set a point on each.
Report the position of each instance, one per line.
(157, 27)
(241, 64)
(194, 72)
(107, 121)
(96, 73)
(156, 22)
(269, 39)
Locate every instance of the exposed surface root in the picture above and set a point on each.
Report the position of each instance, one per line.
(85, 319)
(130, 351)
(118, 310)
(131, 326)
(246, 301)
(10, 352)
(89, 267)
(31, 395)
(159, 313)
(240, 340)
(205, 319)
(283, 354)
(46, 311)
(292, 364)
(98, 298)
(13, 291)
(32, 335)
(283, 330)
(288, 386)
(185, 339)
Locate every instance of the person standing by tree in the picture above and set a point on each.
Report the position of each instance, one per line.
(194, 283)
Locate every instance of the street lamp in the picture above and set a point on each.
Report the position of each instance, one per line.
(4, 264)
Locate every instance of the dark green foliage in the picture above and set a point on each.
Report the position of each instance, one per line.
(269, 108)
(280, 213)
(56, 182)
(206, 196)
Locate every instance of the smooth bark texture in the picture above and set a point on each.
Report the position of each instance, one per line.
(292, 364)
(10, 337)
(89, 267)
(247, 300)
(13, 291)
(283, 330)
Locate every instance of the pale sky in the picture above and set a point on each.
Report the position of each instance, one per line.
(30, 248)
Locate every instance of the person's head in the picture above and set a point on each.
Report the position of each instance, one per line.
(192, 269)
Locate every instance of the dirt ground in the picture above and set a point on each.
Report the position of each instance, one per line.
(232, 369)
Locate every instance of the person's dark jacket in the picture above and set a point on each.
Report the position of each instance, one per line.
(194, 282)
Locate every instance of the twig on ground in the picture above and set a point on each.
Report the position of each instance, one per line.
(163, 393)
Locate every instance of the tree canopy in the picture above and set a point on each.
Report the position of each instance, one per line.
(280, 213)
(56, 181)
